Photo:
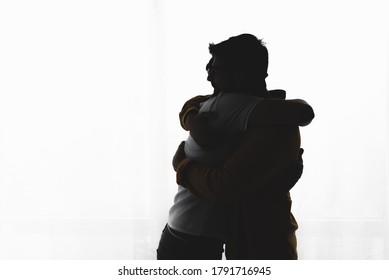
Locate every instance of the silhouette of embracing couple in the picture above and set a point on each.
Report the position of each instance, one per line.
(241, 158)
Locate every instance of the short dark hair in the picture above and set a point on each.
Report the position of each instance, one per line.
(245, 53)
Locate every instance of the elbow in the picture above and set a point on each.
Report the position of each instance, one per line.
(307, 116)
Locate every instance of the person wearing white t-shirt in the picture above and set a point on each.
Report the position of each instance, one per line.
(197, 228)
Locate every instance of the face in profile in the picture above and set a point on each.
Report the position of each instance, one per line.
(218, 74)
(209, 69)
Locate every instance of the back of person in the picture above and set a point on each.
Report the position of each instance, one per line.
(262, 225)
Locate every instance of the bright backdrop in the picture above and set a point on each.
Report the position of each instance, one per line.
(89, 98)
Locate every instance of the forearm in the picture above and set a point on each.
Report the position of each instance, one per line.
(253, 166)
(217, 185)
(282, 112)
(191, 107)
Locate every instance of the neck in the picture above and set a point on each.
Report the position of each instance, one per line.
(260, 92)
(255, 87)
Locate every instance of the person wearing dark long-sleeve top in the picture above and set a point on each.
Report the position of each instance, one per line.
(234, 188)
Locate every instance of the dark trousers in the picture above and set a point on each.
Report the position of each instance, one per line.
(176, 245)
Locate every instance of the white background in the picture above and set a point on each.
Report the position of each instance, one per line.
(89, 98)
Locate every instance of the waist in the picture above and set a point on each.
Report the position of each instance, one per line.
(192, 238)
(198, 217)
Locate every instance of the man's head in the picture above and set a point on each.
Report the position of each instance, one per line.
(238, 64)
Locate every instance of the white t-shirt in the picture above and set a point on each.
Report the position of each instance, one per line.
(190, 214)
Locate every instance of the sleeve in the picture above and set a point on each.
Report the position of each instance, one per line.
(191, 106)
(264, 154)
(233, 111)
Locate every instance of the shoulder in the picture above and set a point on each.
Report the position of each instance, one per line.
(236, 99)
